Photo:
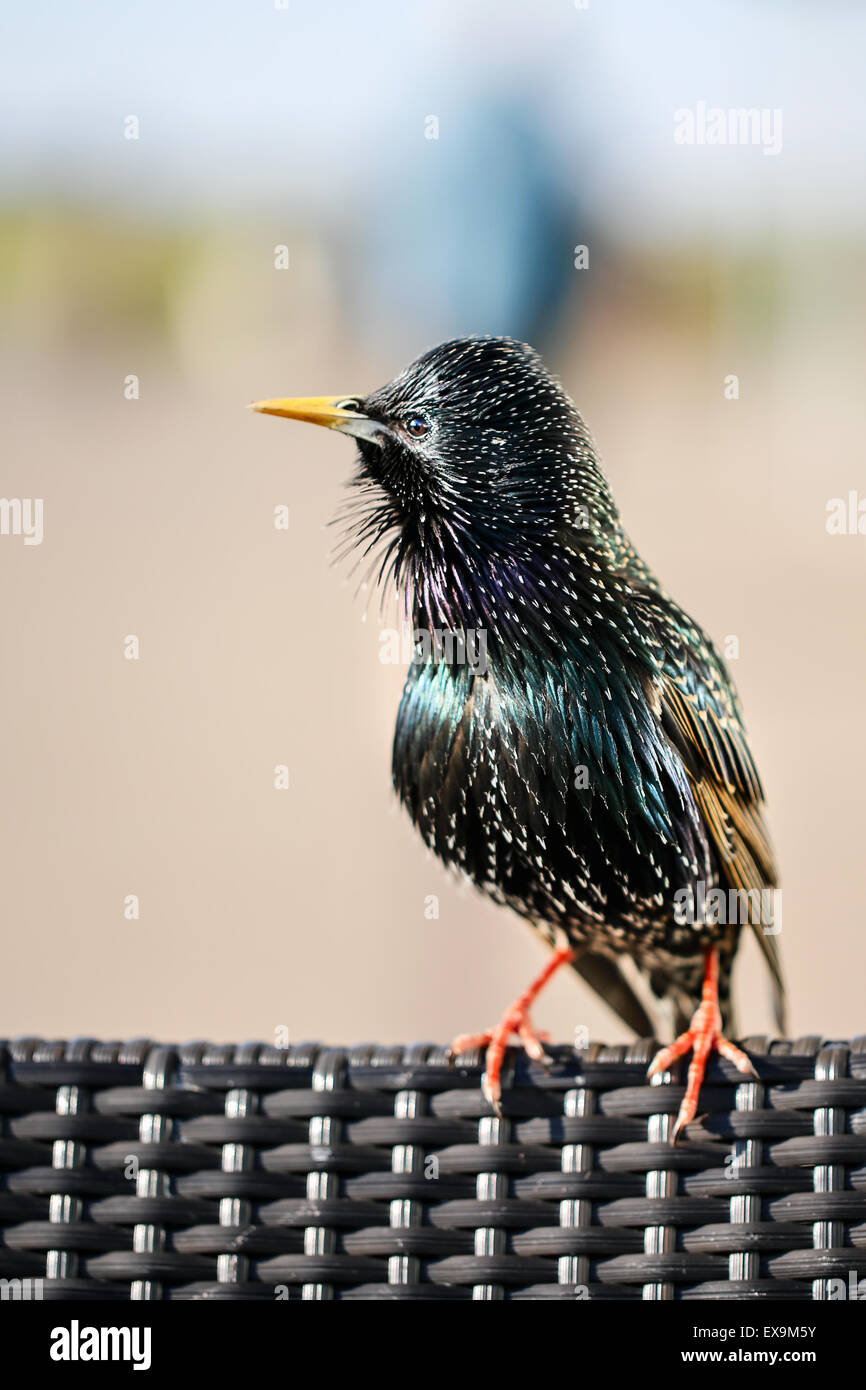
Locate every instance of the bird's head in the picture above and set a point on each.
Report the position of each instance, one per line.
(472, 461)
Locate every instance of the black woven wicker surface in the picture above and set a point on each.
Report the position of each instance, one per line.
(152, 1171)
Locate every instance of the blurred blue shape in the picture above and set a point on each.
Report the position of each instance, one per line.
(470, 232)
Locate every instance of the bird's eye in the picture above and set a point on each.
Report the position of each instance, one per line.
(416, 425)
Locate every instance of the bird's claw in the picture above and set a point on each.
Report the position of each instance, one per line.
(514, 1020)
(495, 1041)
(702, 1037)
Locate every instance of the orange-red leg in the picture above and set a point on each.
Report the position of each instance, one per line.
(514, 1020)
(703, 1036)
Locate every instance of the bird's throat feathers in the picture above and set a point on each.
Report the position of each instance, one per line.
(452, 573)
(541, 589)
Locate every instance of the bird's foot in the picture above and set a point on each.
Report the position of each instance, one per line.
(495, 1040)
(514, 1021)
(703, 1036)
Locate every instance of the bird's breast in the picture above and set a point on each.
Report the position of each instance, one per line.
(538, 798)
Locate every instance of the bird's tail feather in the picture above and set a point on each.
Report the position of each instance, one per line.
(606, 978)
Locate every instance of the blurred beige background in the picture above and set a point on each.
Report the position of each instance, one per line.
(304, 909)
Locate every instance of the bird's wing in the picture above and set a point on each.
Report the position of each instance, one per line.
(701, 717)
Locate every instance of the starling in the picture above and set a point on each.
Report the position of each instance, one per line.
(591, 772)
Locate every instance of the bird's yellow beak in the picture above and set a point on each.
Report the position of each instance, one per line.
(341, 413)
(330, 411)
